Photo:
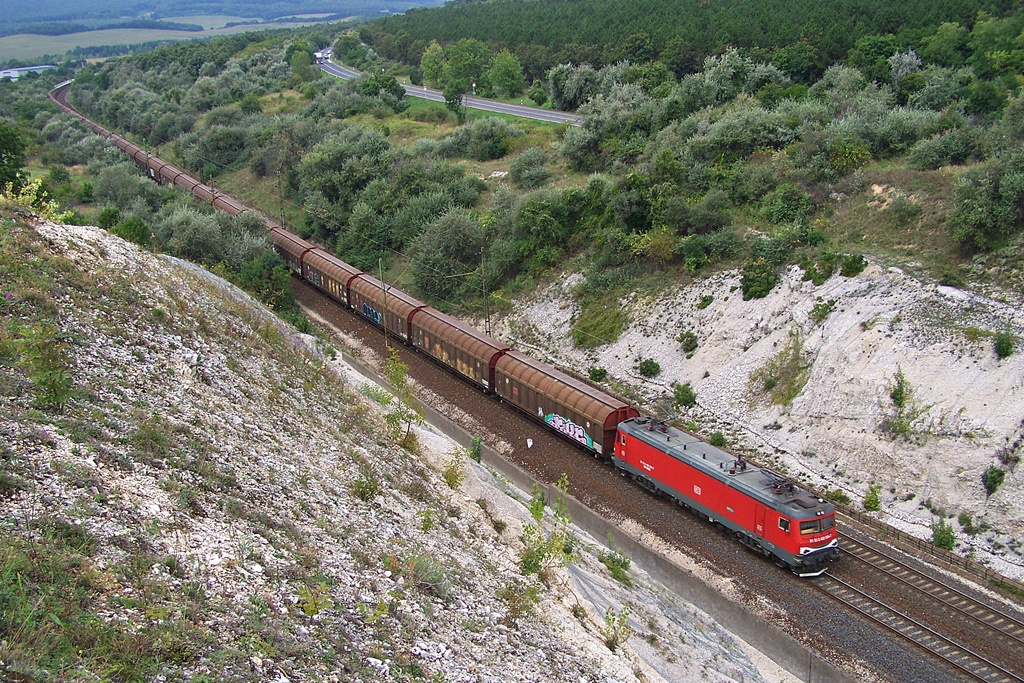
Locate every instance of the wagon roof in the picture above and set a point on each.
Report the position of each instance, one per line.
(289, 242)
(469, 338)
(562, 388)
(768, 487)
(398, 301)
(331, 265)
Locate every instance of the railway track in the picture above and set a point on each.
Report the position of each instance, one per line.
(985, 615)
(995, 630)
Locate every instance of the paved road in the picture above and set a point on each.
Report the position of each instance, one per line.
(471, 102)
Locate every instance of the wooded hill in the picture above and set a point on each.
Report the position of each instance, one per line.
(731, 166)
(808, 35)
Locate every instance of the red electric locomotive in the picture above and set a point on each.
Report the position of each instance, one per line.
(762, 508)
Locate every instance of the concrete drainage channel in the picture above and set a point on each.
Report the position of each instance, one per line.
(769, 639)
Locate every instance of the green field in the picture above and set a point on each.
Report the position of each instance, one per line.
(28, 46)
(207, 21)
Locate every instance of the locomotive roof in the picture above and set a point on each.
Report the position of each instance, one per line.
(768, 487)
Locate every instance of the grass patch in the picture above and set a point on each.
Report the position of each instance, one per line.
(600, 321)
(52, 605)
(783, 376)
(863, 220)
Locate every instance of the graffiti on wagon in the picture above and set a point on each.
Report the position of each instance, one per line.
(569, 428)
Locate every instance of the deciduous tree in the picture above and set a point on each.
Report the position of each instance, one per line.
(12, 154)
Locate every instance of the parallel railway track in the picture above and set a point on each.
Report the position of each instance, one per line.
(999, 631)
(985, 615)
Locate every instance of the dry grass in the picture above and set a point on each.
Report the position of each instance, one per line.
(863, 223)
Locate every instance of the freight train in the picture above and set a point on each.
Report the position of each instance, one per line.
(763, 509)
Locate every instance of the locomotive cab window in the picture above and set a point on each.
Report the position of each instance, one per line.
(809, 527)
(622, 439)
(828, 523)
(784, 524)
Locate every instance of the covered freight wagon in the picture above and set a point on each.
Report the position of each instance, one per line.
(329, 274)
(388, 307)
(567, 405)
(461, 347)
(291, 248)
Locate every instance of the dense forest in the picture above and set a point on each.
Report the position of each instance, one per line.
(802, 37)
(904, 156)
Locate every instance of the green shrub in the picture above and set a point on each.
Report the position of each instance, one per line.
(684, 395)
(705, 301)
(950, 147)
(871, 500)
(757, 278)
(717, 440)
(536, 504)
(541, 551)
(616, 628)
(484, 139)
(424, 573)
(783, 376)
(132, 229)
(86, 194)
(315, 599)
(45, 355)
(109, 217)
(849, 155)
(648, 367)
(838, 496)
(453, 473)
(787, 204)
(822, 309)
(993, 479)
(366, 486)
(527, 169)
(688, 340)
(537, 94)
(597, 373)
(1004, 344)
(618, 565)
(904, 412)
(820, 270)
(519, 599)
(988, 203)
(943, 535)
(777, 249)
(426, 519)
(903, 209)
(852, 264)
(475, 449)
(966, 523)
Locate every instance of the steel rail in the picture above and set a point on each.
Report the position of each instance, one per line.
(986, 615)
(974, 665)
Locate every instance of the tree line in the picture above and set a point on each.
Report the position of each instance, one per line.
(803, 37)
(734, 164)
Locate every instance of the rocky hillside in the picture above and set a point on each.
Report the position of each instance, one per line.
(190, 490)
(881, 380)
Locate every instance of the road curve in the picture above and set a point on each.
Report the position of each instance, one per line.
(426, 93)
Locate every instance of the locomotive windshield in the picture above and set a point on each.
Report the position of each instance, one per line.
(813, 526)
